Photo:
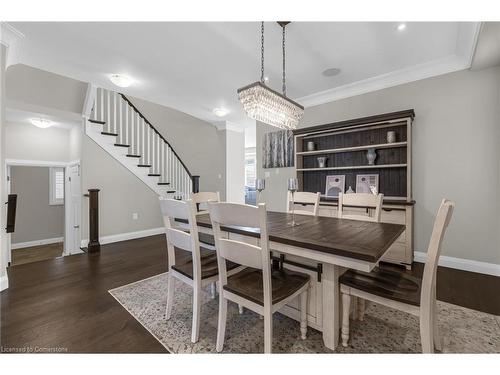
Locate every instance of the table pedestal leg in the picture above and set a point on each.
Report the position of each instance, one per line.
(331, 305)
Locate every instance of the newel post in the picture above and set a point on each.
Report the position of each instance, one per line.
(196, 184)
(94, 246)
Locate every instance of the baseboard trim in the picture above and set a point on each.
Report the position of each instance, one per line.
(47, 241)
(462, 264)
(4, 282)
(126, 236)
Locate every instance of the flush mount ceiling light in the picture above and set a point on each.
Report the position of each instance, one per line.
(120, 80)
(331, 72)
(42, 123)
(266, 105)
(401, 26)
(220, 112)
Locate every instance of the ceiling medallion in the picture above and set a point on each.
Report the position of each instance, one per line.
(266, 105)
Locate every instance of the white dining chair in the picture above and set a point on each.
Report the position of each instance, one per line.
(360, 200)
(258, 288)
(401, 291)
(200, 269)
(306, 200)
(367, 202)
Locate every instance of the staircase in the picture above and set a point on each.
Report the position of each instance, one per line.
(116, 125)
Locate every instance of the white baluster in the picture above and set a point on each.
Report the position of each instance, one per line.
(108, 111)
(101, 109)
(136, 132)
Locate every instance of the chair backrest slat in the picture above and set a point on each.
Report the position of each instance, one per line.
(310, 199)
(360, 200)
(202, 198)
(241, 253)
(240, 215)
(179, 239)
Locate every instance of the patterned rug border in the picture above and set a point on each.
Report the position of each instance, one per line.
(171, 350)
(110, 291)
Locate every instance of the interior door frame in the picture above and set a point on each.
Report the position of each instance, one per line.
(67, 207)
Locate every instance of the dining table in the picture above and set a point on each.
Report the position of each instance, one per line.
(324, 247)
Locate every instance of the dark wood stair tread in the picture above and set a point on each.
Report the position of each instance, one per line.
(170, 191)
(144, 165)
(133, 156)
(121, 145)
(163, 183)
(108, 133)
(154, 174)
(97, 122)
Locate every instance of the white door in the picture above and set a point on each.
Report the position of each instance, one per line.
(74, 209)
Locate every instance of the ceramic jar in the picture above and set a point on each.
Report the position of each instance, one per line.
(371, 155)
(322, 161)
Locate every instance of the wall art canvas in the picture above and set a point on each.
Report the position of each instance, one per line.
(277, 149)
(367, 183)
(334, 185)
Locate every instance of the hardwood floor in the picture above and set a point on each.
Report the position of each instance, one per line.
(36, 253)
(63, 304)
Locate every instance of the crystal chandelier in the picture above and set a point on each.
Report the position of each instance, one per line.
(265, 105)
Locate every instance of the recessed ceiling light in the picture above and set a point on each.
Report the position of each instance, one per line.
(220, 112)
(41, 123)
(120, 80)
(401, 26)
(331, 72)
(266, 79)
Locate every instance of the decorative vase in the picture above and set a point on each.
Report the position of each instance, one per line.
(371, 155)
(322, 161)
(311, 146)
(391, 136)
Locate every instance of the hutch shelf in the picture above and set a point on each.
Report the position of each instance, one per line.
(345, 145)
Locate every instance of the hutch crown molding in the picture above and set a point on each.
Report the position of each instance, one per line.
(345, 145)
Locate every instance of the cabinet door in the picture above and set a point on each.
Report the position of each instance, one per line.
(397, 253)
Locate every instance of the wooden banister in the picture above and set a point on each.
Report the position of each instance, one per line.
(94, 246)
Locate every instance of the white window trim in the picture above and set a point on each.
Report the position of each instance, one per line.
(52, 176)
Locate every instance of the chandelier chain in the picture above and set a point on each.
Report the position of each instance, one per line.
(262, 53)
(284, 76)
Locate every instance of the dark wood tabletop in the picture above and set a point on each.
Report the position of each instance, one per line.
(356, 239)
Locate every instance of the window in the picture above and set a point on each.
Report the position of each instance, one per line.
(56, 186)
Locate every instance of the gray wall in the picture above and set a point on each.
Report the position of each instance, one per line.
(4, 256)
(35, 218)
(38, 87)
(456, 154)
(121, 194)
(27, 142)
(198, 143)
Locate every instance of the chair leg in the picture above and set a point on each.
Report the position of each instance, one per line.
(195, 330)
(221, 328)
(268, 333)
(240, 309)
(361, 308)
(346, 307)
(426, 335)
(170, 295)
(303, 315)
(437, 337)
(213, 289)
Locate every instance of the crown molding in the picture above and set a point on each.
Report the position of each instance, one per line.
(460, 60)
(10, 37)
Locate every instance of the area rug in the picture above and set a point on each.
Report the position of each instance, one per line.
(383, 330)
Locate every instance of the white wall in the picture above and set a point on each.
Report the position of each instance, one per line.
(235, 165)
(36, 219)
(456, 154)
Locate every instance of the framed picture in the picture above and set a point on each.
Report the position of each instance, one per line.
(277, 149)
(367, 183)
(334, 185)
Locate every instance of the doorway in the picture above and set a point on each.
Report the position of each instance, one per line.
(48, 211)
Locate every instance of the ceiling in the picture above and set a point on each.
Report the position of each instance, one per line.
(196, 67)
